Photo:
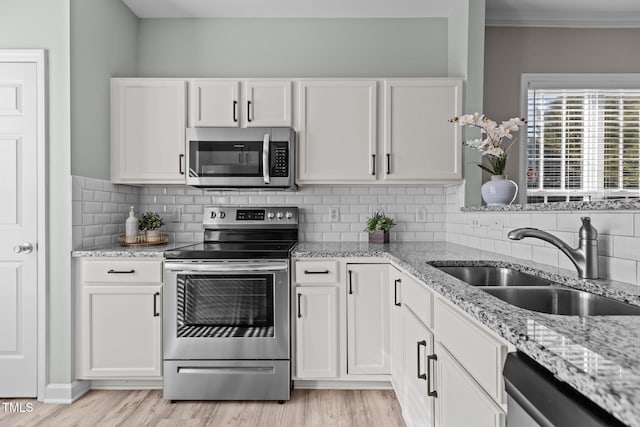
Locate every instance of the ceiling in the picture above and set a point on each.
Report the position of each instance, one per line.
(558, 13)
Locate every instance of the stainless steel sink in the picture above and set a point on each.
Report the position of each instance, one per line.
(493, 276)
(563, 301)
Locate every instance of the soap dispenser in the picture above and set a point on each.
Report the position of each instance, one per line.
(131, 227)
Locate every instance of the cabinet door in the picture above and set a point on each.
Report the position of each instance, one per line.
(420, 145)
(214, 103)
(316, 332)
(121, 331)
(418, 407)
(397, 334)
(461, 402)
(267, 103)
(368, 319)
(337, 124)
(147, 131)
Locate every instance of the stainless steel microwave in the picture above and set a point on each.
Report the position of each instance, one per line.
(228, 158)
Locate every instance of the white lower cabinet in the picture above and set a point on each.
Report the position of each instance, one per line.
(368, 319)
(397, 333)
(418, 407)
(118, 323)
(461, 401)
(316, 332)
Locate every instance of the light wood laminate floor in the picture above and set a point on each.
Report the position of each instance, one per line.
(309, 408)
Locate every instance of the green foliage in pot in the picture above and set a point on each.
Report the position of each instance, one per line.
(379, 221)
(150, 221)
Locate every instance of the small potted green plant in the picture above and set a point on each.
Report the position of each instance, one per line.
(378, 227)
(150, 222)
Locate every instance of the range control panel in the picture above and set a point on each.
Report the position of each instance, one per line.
(238, 216)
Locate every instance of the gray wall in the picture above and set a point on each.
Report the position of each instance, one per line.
(509, 52)
(292, 47)
(104, 37)
(29, 24)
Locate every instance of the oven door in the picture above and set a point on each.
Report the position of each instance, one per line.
(226, 310)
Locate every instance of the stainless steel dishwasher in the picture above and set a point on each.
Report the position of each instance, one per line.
(536, 398)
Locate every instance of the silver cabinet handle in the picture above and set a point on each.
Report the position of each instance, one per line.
(24, 248)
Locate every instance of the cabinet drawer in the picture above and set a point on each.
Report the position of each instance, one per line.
(316, 272)
(121, 271)
(481, 354)
(418, 299)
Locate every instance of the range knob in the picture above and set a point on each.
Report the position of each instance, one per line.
(280, 215)
(213, 214)
(222, 215)
(289, 214)
(271, 215)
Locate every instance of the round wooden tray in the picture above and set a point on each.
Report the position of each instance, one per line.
(141, 240)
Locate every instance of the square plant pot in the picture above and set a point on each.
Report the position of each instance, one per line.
(379, 236)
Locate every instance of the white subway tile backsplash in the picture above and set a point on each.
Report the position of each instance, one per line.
(619, 224)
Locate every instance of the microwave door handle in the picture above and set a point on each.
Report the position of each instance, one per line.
(265, 158)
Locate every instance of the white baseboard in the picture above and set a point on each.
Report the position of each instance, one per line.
(126, 384)
(66, 393)
(342, 385)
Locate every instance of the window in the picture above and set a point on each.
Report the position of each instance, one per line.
(583, 137)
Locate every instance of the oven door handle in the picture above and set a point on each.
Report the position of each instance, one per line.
(218, 268)
(265, 158)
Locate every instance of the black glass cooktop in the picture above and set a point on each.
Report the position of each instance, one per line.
(232, 250)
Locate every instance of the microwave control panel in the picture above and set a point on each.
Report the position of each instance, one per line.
(279, 160)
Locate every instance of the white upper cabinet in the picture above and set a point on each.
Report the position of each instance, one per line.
(267, 103)
(235, 103)
(147, 131)
(420, 145)
(337, 131)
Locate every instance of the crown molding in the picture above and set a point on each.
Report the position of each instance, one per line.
(496, 20)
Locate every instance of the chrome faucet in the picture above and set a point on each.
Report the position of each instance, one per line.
(584, 257)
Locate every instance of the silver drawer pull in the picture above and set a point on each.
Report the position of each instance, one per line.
(316, 272)
(228, 370)
(121, 271)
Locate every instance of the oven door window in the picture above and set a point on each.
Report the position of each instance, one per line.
(225, 305)
(225, 159)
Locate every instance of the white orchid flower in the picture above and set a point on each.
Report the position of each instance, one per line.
(493, 151)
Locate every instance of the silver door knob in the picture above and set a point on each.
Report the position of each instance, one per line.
(24, 248)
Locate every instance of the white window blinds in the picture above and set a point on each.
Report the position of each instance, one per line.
(582, 144)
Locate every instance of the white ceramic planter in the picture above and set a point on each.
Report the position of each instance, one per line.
(499, 191)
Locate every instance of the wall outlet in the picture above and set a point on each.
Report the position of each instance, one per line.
(421, 214)
(334, 214)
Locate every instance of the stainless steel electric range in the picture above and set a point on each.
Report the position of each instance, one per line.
(227, 309)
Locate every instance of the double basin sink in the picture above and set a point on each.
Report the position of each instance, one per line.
(538, 294)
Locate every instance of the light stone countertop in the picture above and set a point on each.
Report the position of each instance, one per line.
(129, 251)
(597, 355)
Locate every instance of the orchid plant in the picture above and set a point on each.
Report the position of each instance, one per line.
(490, 145)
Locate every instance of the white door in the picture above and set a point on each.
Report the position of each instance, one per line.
(316, 332)
(368, 319)
(337, 131)
(214, 103)
(420, 144)
(18, 226)
(267, 103)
